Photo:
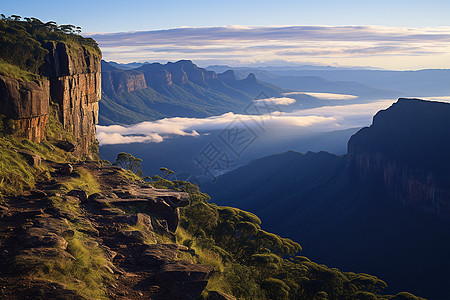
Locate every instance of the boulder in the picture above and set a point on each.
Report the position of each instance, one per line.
(66, 146)
(80, 194)
(184, 271)
(157, 255)
(40, 237)
(31, 158)
(66, 169)
(184, 279)
(140, 219)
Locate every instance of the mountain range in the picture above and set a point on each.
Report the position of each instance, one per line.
(362, 82)
(179, 89)
(388, 198)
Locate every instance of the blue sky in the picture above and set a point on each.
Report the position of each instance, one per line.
(114, 16)
(395, 34)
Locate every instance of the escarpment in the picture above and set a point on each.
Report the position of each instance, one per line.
(387, 153)
(70, 80)
(75, 86)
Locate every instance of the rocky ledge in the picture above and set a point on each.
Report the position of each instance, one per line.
(139, 249)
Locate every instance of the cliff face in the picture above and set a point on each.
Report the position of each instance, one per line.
(72, 81)
(384, 153)
(75, 85)
(26, 103)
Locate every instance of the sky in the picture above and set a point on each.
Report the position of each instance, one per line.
(395, 34)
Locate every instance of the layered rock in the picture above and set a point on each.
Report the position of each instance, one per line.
(115, 81)
(27, 103)
(75, 85)
(72, 81)
(386, 153)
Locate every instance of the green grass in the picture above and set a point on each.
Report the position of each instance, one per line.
(86, 274)
(16, 72)
(83, 180)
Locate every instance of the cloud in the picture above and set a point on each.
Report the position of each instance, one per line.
(317, 119)
(324, 96)
(275, 101)
(351, 45)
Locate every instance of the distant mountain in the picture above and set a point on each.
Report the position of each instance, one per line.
(180, 89)
(128, 66)
(421, 83)
(387, 199)
(362, 82)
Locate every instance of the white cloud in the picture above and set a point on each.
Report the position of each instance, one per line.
(324, 96)
(317, 119)
(276, 101)
(378, 46)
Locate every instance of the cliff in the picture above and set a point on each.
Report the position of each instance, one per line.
(27, 103)
(66, 73)
(179, 89)
(115, 81)
(75, 85)
(406, 150)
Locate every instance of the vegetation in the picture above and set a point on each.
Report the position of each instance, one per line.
(86, 274)
(129, 162)
(22, 41)
(251, 263)
(16, 173)
(16, 72)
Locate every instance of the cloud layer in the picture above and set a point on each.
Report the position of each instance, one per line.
(378, 46)
(318, 119)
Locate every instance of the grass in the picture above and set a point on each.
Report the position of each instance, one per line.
(148, 236)
(14, 71)
(207, 257)
(86, 274)
(83, 180)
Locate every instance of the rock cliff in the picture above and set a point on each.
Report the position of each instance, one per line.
(71, 79)
(75, 85)
(386, 153)
(27, 104)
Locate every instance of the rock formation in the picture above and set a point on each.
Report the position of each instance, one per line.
(72, 80)
(387, 153)
(26, 103)
(75, 85)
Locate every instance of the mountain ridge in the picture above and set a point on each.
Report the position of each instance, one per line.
(155, 90)
(363, 204)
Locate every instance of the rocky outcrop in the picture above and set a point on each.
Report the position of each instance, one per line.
(72, 80)
(27, 103)
(386, 153)
(41, 229)
(75, 85)
(115, 81)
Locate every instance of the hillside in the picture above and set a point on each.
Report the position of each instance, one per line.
(382, 208)
(154, 91)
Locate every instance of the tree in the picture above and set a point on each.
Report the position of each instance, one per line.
(167, 173)
(129, 162)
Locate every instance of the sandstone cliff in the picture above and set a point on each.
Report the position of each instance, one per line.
(386, 153)
(27, 104)
(72, 80)
(75, 85)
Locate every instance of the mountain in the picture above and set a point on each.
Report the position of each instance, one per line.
(128, 66)
(155, 91)
(420, 83)
(386, 199)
